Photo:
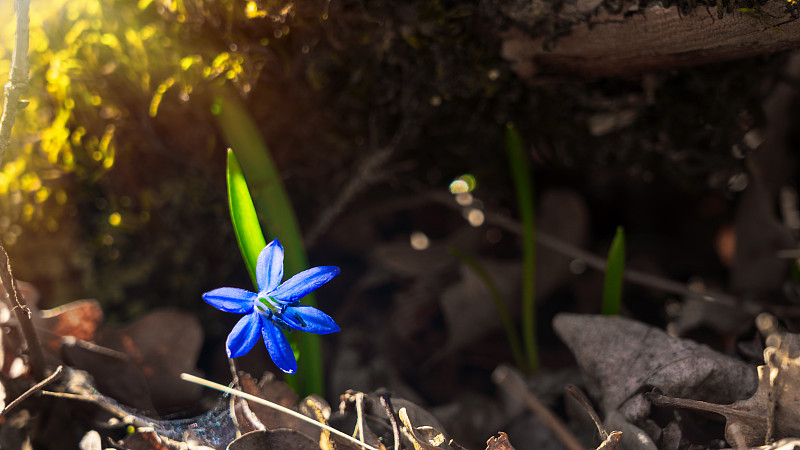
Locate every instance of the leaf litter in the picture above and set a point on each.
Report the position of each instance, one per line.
(131, 374)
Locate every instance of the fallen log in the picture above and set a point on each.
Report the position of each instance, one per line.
(649, 39)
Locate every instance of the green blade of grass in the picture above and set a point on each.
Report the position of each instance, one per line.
(244, 218)
(520, 172)
(277, 215)
(615, 270)
(499, 303)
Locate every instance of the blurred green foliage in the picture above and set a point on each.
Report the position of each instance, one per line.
(91, 61)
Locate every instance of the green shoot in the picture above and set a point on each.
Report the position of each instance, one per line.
(520, 172)
(794, 270)
(615, 270)
(499, 303)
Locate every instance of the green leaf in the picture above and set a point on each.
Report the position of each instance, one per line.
(499, 303)
(794, 270)
(518, 163)
(615, 270)
(277, 215)
(244, 218)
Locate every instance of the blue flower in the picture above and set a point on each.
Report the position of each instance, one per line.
(275, 307)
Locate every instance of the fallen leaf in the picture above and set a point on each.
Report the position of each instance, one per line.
(274, 440)
(757, 269)
(499, 443)
(114, 374)
(422, 437)
(621, 358)
(162, 344)
(773, 412)
(274, 390)
(79, 319)
(214, 429)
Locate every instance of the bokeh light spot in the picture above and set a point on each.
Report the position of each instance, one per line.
(475, 217)
(463, 184)
(464, 199)
(459, 187)
(419, 241)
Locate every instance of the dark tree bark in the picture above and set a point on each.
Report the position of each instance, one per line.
(604, 43)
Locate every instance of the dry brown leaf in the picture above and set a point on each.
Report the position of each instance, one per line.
(144, 441)
(759, 236)
(274, 390)
(79, 319)
(423, 437)
(114, 375)
(499, 443)
(253, 416)
(377, 428)
(281, 439)
(773, 412)
(138, 364)
(621, 358)
(162, 344)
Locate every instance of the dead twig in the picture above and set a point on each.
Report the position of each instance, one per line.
(17, 84)
(37, 387)
(577, 394)
(386, 401)
(360, 417)
(23, 314)
(512, 382)
(18, 77)
(631, 275)
(611, 441)
(367, 174)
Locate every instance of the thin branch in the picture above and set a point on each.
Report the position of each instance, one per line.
(634, 276)
(18, 78)
(386, 401)
(37, 387)
(18, 83)
(577, 394)
(23, 315)
(512, 382)
(368, 173)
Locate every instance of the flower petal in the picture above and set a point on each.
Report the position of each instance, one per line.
(278, 347)
(232, 300)
(243, 336)
(304, 282)
(269, 268)
(309, 319)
